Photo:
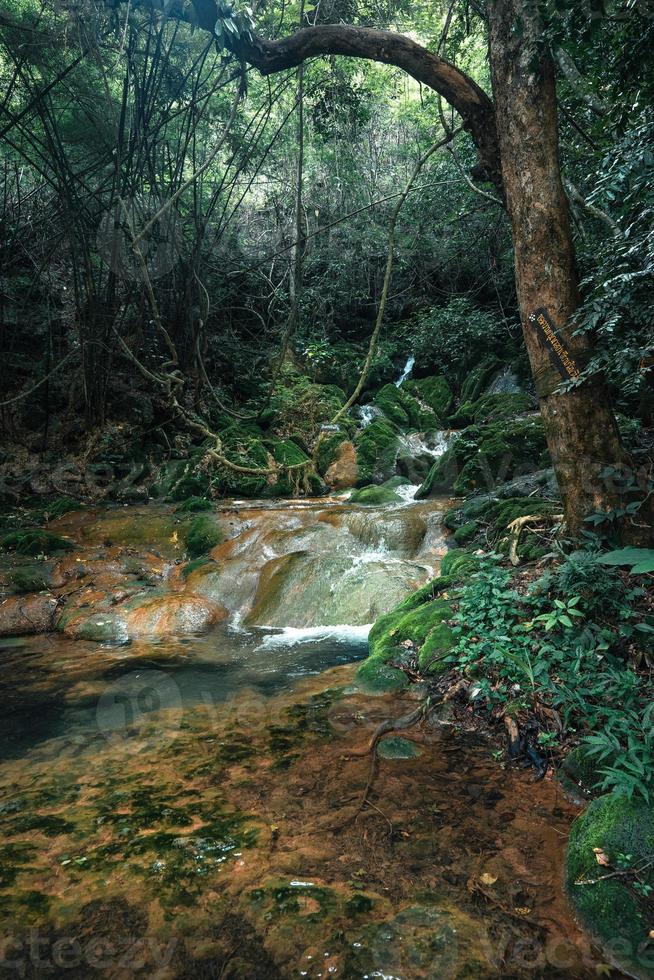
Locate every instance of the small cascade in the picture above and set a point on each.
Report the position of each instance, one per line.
(368, 414)
(406, 371)
(432, 444)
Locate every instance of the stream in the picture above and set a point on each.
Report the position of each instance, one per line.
(178, 800)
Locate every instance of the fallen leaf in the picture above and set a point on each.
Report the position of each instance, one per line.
(487, 879)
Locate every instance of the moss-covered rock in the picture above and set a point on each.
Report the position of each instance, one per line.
(403, 409)
(434, 392)
(459, 564)
(203, 534)
(478, 378)
(579, 773)
(411, 628)
(490, 408)
(327, 451)
(35, 541)
(465, 533)
(375, 495)
(615, 914)
(376, 450)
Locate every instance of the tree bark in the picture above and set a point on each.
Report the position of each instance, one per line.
(580, 426)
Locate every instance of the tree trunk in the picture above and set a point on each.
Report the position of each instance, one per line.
(580, 427)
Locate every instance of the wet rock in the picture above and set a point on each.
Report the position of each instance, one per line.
(397, 747)
(343, 472)
(302, 590)
(433, 942)
(21, 615)
(168, 615)
(99, 627)
(376, 448)
(612, 910)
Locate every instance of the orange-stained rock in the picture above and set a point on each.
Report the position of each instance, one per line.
(344, 472)
(23, 614)
(168, 615)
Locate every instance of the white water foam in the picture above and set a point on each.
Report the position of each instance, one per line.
(291, 636)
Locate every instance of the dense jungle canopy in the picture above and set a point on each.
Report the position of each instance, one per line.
(197, 199)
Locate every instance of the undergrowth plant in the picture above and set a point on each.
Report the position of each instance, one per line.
(556, 652)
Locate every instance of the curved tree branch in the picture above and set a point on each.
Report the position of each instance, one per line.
(462, 92)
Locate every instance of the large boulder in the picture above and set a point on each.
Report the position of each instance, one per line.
(303, 590)
(435, 392)
(487, 455)
(173, 614)
(376, 448)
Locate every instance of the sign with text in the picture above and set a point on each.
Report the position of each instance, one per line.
(550, 338)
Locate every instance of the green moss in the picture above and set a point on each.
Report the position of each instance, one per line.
(35, 541)
(203, 535)
(193, 505)
(61, 506)
(436, 646)
(358, 905)
(434, 392)
(458, 563)
(327, 451)
(403, 409)
(582, 770)
(503, 451)
(31, 578)
(610, 909)
(286, 452)
(414, 619)
(376, 448)
(466, 532)
(478, 378)
(375, 495)
(489, 408)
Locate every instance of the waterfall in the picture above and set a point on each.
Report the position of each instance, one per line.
(408, 368)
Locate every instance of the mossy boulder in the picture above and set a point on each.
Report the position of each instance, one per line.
(204, 533)
(492, 408)
(490, 519)
(579, 773)
(35, 541)
(465, 533)
(486, 455)
(477, 379)
(403, 409)
(412, 628)
(375, 495)
(435, 392)
(327, 451)
(614, 913)
(459, 564)
(376, 451)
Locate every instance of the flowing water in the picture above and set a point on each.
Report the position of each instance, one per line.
(183, 799)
